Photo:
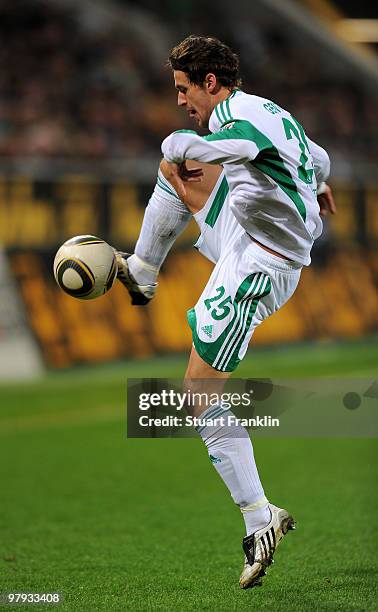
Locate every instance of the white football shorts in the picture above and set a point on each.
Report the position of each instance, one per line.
(247, 285)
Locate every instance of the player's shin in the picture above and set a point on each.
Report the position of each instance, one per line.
(230, 450)
(164, 220)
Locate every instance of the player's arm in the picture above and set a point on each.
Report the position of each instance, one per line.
(322, 168)
(197, 192)
(235, 144)
(322, 165)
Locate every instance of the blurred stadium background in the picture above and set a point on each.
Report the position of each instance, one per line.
(85, 101)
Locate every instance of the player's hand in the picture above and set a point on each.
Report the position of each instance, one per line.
(177, 174)
(326, 202)
(190, 175)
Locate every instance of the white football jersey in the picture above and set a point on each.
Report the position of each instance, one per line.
(271, 167)
(219, 227)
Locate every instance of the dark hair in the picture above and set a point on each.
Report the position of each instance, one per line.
(197, 56)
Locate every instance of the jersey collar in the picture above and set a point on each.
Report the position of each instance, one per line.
(220, 114)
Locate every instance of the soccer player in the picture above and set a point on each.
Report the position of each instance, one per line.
(258, 218)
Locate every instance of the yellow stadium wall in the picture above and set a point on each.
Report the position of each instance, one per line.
(335, 301)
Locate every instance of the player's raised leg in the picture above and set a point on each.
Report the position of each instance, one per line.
(166, 217)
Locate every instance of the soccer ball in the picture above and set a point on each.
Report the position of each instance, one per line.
(85, 267)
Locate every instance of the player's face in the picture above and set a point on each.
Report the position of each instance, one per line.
(195, 99)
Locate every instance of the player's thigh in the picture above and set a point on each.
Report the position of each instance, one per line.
(220, 229)
(221, 318)
(244, 289)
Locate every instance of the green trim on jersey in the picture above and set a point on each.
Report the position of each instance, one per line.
(222, 111)
(222, 354)
(228, 109)
(217, 114)
(303, 134)
(268, 159)
(226, 112)
(219, 200)
(185, 132)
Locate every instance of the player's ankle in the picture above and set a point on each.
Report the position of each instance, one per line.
(142, 272)
(256, 518)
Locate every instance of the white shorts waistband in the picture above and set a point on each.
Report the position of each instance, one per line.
(274, 261)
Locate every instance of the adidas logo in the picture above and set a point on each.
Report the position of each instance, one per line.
(208, 329)
(215, 459)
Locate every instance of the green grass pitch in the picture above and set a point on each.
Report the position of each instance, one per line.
(123, 524)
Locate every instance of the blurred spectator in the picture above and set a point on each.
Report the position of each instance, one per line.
(73, 91)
